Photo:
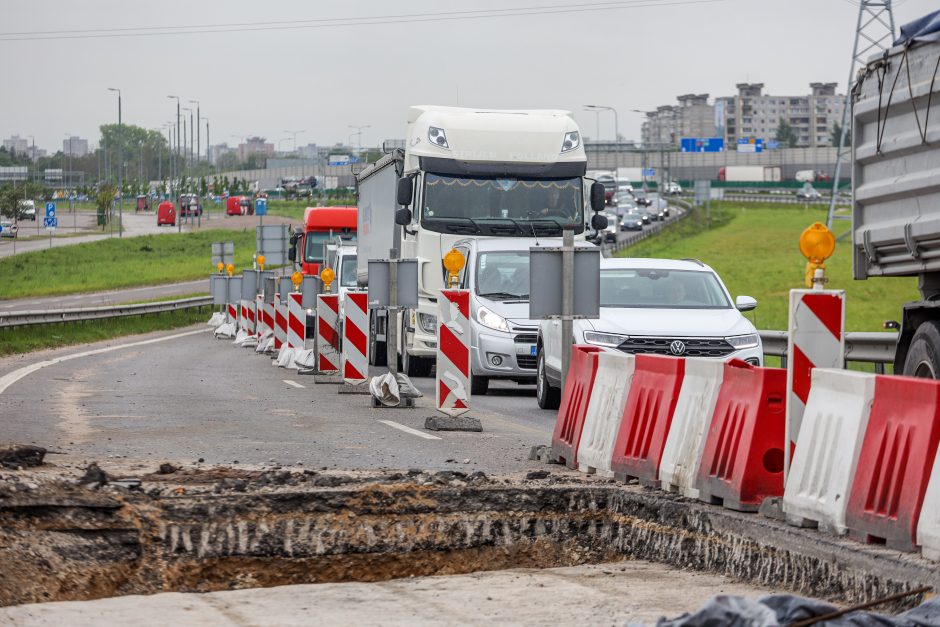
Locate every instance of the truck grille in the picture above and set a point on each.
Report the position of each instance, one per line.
(694, 346)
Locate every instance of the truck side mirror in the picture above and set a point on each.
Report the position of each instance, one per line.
(292, 253)
(405, 191)
(598, 201)
(598, 222)
(402, 216)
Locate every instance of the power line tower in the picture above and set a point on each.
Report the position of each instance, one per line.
(874, 32)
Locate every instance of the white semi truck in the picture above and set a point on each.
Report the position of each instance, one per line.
(896, 185)
(467, 173)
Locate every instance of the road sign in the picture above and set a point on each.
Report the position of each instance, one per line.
(648, 172)
(261, 207)
(703, 144)
(750, 144)
(545, 270)
(50, 223)
(50, 209)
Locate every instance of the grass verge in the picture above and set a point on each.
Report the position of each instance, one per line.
(26, 339)
(114, 263)
(755, 249)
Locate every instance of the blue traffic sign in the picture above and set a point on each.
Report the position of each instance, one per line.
(50, 209)
(50, 223)
(648, 172)
(261, 207)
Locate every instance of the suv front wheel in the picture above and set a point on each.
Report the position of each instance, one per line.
(547, 396)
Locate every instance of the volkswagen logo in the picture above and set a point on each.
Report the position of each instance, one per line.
(677, 347)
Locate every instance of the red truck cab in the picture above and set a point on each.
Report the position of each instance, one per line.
(321, 224)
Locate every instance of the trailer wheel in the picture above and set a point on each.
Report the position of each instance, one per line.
(923, 358)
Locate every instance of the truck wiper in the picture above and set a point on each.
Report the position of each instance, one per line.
(502, 295)
(470, 220)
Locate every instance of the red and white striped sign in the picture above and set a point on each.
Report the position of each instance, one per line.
(232, 313)
(280, 322)
(268, 318)
(356, 337)
(453, 352)
(327, 335)
(296, 321)
(260, 326)
(248, 317)
(815, 339)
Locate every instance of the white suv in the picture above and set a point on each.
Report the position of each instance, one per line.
(654, 306)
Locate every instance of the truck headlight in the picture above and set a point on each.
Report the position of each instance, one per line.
(491, 320)
(611, 340)
(572, 140)
(744, 341)
(427, 322)
(438, 137)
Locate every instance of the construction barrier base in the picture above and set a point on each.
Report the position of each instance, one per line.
(453, 423)
(348, 388)
(328, 379)
(405, 403)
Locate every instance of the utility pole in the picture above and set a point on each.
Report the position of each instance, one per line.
(874, 32)
(176, 172)
(120, 165)
(198, 129)
(208, 145)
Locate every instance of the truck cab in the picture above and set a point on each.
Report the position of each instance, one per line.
(321, 225)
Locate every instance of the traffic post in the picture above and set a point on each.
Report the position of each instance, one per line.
(452, 379)
(355, 355)
(50, 222)
(327, 333)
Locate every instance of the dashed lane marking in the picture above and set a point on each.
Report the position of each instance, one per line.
(293, 383)
(402, 427)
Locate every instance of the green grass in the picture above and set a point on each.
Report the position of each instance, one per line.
(755, 249)
(294, 209)
(25, 339)
(114, 263)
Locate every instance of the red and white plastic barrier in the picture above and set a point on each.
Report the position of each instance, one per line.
(280, 322)
(826, 455)
(233, 312)
(356, 337)
(679, 466)
(605, 412)
(574, 403)
(327, 333)
(246, 333)
(815, 339)
(296, 332)
(453, 353)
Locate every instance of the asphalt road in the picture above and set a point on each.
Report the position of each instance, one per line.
(103, 299)
(195, 397)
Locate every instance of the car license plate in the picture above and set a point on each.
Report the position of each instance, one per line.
(533, 350)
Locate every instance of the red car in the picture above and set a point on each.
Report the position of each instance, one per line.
(166, 214)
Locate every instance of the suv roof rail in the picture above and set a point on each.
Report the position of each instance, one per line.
(693, 260)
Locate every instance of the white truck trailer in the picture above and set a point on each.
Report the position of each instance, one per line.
(896, 185)
(467, 173)
(750, 173)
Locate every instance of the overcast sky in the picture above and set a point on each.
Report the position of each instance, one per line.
(635, 54)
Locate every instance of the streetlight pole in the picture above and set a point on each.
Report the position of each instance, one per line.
(176, 172)
(358, 134)
(208, 145)
(120, 165)
(597, 121)
(295, 133)
(198, 129)
(598, 108)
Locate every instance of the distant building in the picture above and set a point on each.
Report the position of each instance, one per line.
(75, 146)
(17, 144)
(310, 151)
(748, 115)
(255, 146)
(216, 152)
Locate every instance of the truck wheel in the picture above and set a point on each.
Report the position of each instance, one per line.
(923, 358)
(479, 385)
(377, 353)
(547, 396)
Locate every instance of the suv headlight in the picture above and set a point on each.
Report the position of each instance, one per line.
(611, 340)
(744, 341)
(572, 140)
(491, 320)
(427, 322)
(438, 137)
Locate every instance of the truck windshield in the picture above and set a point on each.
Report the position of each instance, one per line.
(502, 206)
(503, 275)
(347, 274)
(313, 250)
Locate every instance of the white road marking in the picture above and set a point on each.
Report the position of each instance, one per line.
(10, 378)
(294, 383)
(402, 427)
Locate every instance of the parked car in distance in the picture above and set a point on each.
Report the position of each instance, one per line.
(143, 203)
(632, 221)
(27, 210)
(8, 229)
(657, 307)
(166, 213)
(642, 199)
(187, 203)
(808, 194)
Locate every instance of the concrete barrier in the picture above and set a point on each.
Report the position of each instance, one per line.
(826, 454)
(682, 454)
(615, 371)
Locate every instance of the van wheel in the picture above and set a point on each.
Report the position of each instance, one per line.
(547, 396)
(479, 386)
(923, 358)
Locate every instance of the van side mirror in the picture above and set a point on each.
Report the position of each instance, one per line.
(598, 201)
(598, 222)
(406, 190)
(403, 216)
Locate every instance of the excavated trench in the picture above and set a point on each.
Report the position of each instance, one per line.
(222, 529)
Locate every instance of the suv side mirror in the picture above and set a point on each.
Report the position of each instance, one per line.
(403, 215)
(597, 196)
(598, 222)
(406, 191)
(745, 303)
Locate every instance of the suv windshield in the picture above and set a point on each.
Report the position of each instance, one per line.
(502, 206)
(347, 274)
(503, 275)
(655, 288)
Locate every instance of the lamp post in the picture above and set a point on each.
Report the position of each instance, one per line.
(176, 162)
(598, 109)
(198, 129)
(295, 134)
(120, 165)
(358, 133)
(597, 122)
(208, 144)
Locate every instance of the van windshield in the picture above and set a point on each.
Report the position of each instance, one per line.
(347, 273)
(502, 206)
(313, 250)
(503, 275)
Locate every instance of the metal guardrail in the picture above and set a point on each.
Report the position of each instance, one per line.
(871, 347)
(27, 318)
